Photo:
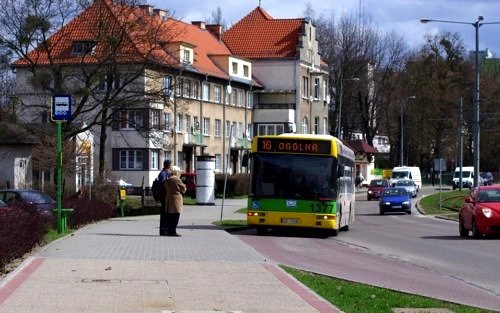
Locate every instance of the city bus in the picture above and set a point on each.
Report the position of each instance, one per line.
(301, 181)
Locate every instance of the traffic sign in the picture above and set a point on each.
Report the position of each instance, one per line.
(61, 107)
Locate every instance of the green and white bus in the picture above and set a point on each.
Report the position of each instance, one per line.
(301, 181)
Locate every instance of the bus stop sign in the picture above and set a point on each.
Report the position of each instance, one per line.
(61, 107)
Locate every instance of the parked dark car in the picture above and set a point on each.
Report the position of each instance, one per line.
(395, 199)
(480, 212)
(33, 198)
(375, 188)
(486, 178)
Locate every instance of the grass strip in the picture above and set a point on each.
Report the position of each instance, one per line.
(352, 297)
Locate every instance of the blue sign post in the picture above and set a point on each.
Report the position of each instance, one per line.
(61, 112)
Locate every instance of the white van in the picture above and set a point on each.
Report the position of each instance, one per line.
(407, 172)
(467, 177)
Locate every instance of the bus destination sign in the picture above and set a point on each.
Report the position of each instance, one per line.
(292, 145)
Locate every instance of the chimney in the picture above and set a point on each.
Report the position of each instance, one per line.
(200, 24)
(146, 8)
(163, 14)
(215, 29)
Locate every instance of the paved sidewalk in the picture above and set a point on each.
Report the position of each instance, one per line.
(122, 265)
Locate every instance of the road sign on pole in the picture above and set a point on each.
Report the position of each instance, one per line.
(61, 108)
(61, 112)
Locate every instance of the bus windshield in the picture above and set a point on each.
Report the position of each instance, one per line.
(294, 176)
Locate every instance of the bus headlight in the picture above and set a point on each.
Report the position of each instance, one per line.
(256, 214)
(325, 217)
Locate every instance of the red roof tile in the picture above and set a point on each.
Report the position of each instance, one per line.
(259, 36)
(143, 36)
(360, 146)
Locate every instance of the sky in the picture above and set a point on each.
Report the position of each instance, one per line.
(402, 16)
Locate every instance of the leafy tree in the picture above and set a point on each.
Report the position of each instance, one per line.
(438, 75)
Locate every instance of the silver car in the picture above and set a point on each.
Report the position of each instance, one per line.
(409, 185)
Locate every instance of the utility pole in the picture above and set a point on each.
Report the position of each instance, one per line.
(461, 152)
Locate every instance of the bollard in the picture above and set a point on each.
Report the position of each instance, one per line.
(122, 194)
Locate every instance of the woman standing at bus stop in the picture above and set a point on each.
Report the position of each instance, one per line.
(175, 189)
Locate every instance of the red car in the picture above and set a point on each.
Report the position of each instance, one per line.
(481, 212)
(375, 188)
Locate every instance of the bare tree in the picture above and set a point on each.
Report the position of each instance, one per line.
(116, 45)
(366, 63)
(217, 19)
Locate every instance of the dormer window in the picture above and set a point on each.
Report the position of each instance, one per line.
(83, 47)
(186, 57)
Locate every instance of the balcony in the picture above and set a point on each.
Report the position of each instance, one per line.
(241, 143)
(195, 139)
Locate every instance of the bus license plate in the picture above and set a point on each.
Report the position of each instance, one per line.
(290, 221)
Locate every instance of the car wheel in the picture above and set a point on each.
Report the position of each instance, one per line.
(408, 212)
(475, 231)
(368, 198)
(454, 187)
(464, 232)
(381, 212)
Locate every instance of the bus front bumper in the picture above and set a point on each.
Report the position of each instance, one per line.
(290, 219)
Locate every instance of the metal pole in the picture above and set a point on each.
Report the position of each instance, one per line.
(476, 109)
(59, 177)
(461, 155)
(401, 141)
(339, 129)
(226, 170)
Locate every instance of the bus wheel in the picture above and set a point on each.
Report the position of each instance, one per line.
(261, 230)
(334, 232)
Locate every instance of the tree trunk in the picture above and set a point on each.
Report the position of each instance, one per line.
(102, 142)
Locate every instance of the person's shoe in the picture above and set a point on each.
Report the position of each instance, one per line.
(175, 235)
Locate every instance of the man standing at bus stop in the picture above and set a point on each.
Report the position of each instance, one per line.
(162, 177)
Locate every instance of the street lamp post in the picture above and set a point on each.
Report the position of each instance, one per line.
(341, 94)
(475, 115)
(401, 148)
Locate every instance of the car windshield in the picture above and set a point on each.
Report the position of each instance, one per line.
(399, 175)
(394, 192)
(377, 183)
(2, 203)
(492, 195)
(36, 197)
(464, 174)
(404, 183)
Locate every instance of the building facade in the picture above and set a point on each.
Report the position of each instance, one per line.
(171, 90)
(286, 61)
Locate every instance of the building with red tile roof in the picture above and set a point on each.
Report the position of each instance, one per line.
(285, 59)
(172, 90)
